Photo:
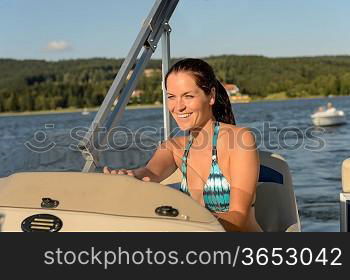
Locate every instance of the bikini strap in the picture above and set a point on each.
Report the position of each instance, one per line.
(215, 140)
(188, 146)
(184, 158)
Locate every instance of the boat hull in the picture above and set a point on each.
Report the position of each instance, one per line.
(329, 120)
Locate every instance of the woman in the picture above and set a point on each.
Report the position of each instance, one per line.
(218, 160)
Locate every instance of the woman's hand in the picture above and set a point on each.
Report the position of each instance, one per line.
(132, 173)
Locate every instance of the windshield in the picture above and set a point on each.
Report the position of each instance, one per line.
(49, 142)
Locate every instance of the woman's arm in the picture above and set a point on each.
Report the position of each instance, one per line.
(160, 166)
(244, 171)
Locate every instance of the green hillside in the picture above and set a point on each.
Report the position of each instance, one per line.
(27, 85)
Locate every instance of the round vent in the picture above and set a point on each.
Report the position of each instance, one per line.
(42, 223)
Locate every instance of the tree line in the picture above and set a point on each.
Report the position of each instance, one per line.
(27, 85)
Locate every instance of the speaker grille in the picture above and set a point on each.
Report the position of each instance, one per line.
(41, 222)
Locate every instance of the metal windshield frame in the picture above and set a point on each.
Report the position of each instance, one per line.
(155, 27)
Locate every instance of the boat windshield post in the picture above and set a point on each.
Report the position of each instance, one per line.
(165, 68)
(147, 40)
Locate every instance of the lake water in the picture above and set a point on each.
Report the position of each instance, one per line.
(47, 143)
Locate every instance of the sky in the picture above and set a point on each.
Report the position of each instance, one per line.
(66, 29)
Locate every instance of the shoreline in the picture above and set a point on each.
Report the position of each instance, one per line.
(145, 106)
(296, 98)
(72, 110)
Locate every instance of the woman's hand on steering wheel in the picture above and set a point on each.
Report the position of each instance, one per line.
(108, 171)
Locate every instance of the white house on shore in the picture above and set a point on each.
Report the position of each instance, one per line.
(235, 95)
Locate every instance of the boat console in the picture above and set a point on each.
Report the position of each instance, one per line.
(75, 201)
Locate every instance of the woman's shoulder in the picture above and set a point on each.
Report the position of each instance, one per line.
(231, 129)
(230, 133)
(176, 143)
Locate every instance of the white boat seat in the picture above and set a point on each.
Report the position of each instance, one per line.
(346, 176)
(275, 206)
(345, 197)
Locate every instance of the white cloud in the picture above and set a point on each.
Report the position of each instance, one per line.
(57, 46)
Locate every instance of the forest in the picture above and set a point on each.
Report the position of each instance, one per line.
(31, 85)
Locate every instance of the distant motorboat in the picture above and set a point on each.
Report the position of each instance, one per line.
(85, 112)
(328, 117)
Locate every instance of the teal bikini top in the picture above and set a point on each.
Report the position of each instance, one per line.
(216, 192)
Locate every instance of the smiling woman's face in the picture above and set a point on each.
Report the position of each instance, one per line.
(188, 103)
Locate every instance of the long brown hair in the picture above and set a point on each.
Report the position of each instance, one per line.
(205, 79)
